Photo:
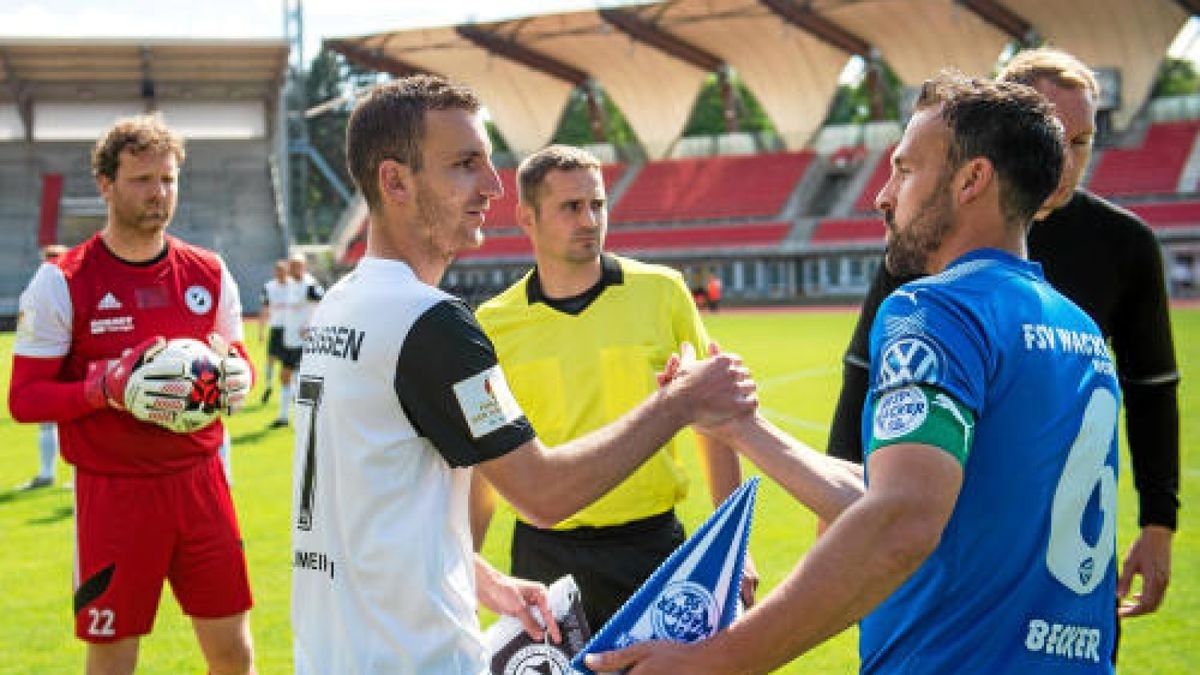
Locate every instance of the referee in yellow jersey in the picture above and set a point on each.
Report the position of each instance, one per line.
(581, 338)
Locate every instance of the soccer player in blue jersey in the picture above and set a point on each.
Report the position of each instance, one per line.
(984, 539)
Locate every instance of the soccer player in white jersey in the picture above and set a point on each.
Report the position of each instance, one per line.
(274, 310)
(400, 396)
(975, 546)
(301, 293)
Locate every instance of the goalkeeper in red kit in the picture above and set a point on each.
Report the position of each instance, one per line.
(152, 503)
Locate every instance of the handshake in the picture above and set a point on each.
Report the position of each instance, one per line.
(179, 384)
(713, 392)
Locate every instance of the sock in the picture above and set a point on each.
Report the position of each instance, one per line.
(270, 373)
(226, 460)
(47, 448)
(285, 400)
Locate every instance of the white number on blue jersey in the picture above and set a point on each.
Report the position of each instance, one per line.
(1076, 564)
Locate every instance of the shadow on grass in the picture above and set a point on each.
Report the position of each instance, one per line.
(58, 514)
(257, 435)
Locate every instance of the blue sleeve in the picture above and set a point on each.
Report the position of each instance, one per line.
(926, 334)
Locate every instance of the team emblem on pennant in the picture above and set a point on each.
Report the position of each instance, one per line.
(694, 593)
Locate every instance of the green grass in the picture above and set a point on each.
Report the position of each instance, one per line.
(795, 358)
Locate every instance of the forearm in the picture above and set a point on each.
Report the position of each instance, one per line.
(35, 396)
(722, 469)
(548, 485)
(824, 484)
(1152, 425)
(482, 506)
(860, 561)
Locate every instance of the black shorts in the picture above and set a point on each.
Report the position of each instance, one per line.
(608, 563)
(275, 343)
(290, 357)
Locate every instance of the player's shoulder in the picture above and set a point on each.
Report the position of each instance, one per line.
(190, 253)
(639, 271)
(513, 297)
(1106, 219)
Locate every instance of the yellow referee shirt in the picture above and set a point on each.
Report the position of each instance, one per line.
(574, 373)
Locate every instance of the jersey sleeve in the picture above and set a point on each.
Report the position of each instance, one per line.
(925, 336)
(46, 316)
(229, 309)
(1144, 349)
(452, 389)
(845, 434)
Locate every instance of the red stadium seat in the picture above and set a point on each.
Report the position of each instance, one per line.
(1151, 169)
(1169, 215)
(848, 231)
(879, 177)
(750, 186)
(652, 239)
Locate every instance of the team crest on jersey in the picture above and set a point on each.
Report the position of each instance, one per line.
(486, 401)
(686, 612)
(538, 660)
(899, 412)
(909, 359)
(198, 299)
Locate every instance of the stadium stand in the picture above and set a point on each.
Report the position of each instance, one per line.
(750, 186)
(1169, 215)
(1153, 168)
(652, 239)
(848, 231)
(879, 176)
(222, 96)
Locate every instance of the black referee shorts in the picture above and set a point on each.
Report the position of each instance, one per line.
(608, 563)
(275, 342)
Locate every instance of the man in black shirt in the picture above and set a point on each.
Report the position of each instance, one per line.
(1106, 260)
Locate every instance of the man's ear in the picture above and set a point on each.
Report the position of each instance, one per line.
(396, 182)
(526, 216)
(973, 179)
(104, 186)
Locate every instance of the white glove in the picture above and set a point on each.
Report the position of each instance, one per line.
(235, 375)
(160, 390)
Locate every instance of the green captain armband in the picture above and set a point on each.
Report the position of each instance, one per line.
(919, 413)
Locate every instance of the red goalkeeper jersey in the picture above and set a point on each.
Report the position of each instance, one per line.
(91, 305)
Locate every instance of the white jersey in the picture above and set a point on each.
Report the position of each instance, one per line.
(300, 299)
(275, 299)
(399, 396)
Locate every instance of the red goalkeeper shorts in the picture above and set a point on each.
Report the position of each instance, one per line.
(132, 532)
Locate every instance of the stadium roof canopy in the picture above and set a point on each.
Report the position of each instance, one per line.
(651, 58)
(39, 70)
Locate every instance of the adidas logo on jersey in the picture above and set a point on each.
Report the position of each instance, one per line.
(109, 301)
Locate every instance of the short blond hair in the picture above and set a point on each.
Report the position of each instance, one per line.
(1062, 69)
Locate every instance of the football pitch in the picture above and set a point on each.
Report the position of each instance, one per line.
(795, 357)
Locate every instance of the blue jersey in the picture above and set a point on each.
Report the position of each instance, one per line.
(1024, 577)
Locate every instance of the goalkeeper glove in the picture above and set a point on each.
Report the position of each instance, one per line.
(104, 384)
(236, 376)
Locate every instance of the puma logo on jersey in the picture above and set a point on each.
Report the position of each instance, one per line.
(109, 302)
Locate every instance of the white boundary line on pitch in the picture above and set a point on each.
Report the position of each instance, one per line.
(797, 375)
(794, 421)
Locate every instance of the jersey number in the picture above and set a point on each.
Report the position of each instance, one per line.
(1076, 564)
(309, 394)
(102, 622)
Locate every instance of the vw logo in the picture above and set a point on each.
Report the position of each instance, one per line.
(909, 359)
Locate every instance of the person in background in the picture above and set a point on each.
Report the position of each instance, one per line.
(582, 337)
(1107, 261)
(47, 431)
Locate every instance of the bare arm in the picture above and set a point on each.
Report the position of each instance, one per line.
(824, 484)
(547, 486)
(482, 507)
(868, 552)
